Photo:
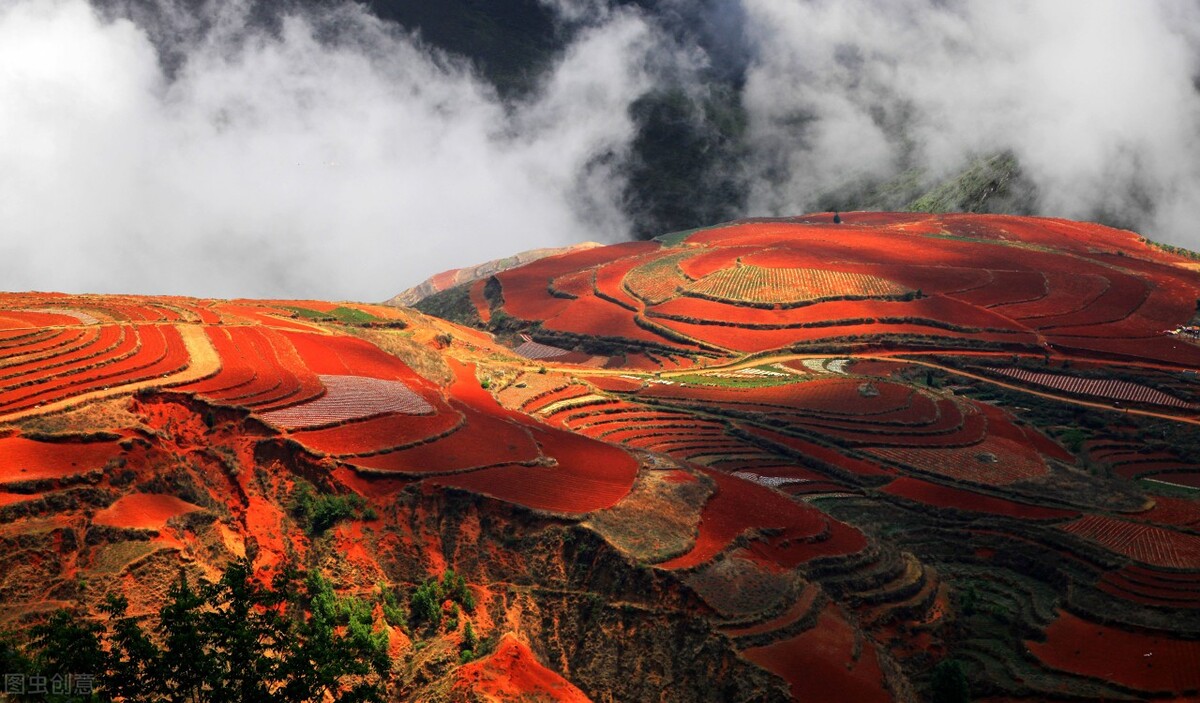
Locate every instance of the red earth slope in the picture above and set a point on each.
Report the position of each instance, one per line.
(959, 437)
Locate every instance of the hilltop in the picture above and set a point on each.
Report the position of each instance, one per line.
(767, 460)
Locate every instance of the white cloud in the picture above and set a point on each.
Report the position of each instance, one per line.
(1095, 97)
(283, 165)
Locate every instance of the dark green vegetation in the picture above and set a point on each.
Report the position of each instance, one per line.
(317, 512)
(233, 640)
(452, 304)
(427, 600)
(344, 315)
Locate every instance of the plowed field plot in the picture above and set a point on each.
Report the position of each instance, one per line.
(1145, 543)
(351, 398)
(1109, 388)
(658, 280)
(994, 462)
(757, 284)
(534, 350)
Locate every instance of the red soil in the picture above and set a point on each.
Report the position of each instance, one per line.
(486, 439)
(738, 505)
(350, 356)
(512, 674)
(593, 316)
(161, 352)
(379, 433)
(525, 288)
(45, 344)
(610, 281)
(713, 260)
(98, 346)
(1142, 660)
(28, 460)
(143, 511)
(819, 664)
(947, 497)
(587, 475)
(829, 456)
(23, 318)
(482, 307)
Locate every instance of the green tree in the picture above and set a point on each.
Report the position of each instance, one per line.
(133, 658)
(319, 659)
(66, 646)
(455, 588)
(425, 606)
(470, 641)
(233, 641)
(244, 628)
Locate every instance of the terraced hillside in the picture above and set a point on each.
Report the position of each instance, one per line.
(765, 461)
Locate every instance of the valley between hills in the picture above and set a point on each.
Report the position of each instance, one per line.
(903, 457)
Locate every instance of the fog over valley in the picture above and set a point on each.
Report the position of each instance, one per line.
(335, 150)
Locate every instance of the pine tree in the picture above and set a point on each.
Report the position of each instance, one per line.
(470, 641)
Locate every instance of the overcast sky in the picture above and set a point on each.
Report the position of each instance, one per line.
(339, 158)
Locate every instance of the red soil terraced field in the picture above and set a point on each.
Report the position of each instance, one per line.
(826, 663)
(1140, 660)
(975, 274)
(994, 461)
(737, 505)
(915, 468)
(583, 476)
(1146, 543)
